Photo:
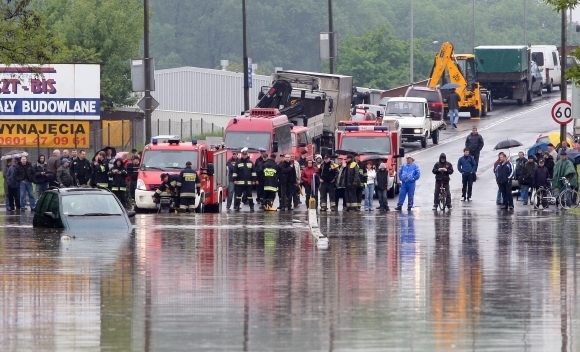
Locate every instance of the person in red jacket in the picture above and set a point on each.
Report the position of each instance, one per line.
(309, 170)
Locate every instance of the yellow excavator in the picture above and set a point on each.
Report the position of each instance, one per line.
(449, 68)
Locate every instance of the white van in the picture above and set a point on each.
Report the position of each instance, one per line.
(548, 61)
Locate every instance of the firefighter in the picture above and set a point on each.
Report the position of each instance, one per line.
(352, 183)
(168, 185)
(287, 180)
(119, 184)
(244, 177)
(260, 176)
(81, 169)
(100, 174)
(270, 182)
(328, 173)
(363, 180)
(188, 185)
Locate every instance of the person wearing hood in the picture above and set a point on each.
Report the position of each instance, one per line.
(318, 160)
(118, 174)
(63, 176)
(540, 179)
(442, 169)
(40, 180)
(564, 168)
(382, 187)
(466, 167)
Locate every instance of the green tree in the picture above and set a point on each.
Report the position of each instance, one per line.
(24, 38)
(106, 32)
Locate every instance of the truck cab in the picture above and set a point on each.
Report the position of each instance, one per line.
(373, 142)
(260, 128)
(301, 140)
(167, 154)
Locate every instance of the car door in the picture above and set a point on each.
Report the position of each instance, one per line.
(41, 208)
(555, 72)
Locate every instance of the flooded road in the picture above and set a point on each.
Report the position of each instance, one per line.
(411, 281)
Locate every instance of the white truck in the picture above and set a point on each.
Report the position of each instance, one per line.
(416, 121)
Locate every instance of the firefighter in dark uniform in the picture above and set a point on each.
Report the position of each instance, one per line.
(270, 180)
(81, 169)
(287, 178)
(352, 183)
(244, 177)
(168, 185)
(260, 176)
(188, 185)
(327, 173)
(100, 172)
(119, 184)
(363, 180)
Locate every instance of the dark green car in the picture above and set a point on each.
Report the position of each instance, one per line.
(82, 209)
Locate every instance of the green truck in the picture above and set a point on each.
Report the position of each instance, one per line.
(505, 71)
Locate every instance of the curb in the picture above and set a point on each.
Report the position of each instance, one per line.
(321, 239)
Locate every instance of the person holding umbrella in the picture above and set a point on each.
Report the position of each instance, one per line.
(453, 100)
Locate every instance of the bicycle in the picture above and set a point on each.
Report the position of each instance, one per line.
(442, 196)
(568, 197)
(545, 197)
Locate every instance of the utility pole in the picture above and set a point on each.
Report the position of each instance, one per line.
(473, 25)
(563, 86)
(411, 47)
(245, 44)
(147, 71)
(331, 37)
(525, 22)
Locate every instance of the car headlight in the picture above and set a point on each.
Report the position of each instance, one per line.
(141, 185)
(417, 130)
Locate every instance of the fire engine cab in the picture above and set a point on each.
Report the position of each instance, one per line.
(374, 143)
(167, 154)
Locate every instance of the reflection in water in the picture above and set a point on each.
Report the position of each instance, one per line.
(407, 281)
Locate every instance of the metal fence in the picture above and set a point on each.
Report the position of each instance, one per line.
(185, 128)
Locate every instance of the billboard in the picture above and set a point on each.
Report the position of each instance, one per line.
(45, 134)
(50, 92)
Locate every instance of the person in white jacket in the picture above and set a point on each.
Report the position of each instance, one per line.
(369, 190)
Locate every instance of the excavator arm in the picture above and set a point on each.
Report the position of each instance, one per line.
(444, 60)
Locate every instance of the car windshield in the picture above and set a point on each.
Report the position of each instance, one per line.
(255, 140)
(168, 159)
(361, 116)
(371, 144)
(405, 108)
(87, 204)
(429, 95)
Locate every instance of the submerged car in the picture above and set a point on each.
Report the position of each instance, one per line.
(81, 209)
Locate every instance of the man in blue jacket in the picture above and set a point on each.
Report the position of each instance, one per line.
(467, 167)
(408, 174)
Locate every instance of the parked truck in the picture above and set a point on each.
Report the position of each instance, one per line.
(505, 71)
(415, 119)
(310, 99)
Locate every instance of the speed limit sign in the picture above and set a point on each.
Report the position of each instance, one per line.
(562, 112)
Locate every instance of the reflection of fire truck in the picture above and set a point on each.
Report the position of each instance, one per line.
(372, 142)
(167, 154)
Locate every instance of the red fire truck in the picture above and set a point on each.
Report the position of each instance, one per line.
(167, 154)
(372, 142)
(301, 141)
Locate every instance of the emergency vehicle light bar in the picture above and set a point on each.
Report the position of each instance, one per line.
(366, 128)
(265, 112)
(154, 141)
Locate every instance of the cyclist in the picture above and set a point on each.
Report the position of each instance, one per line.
(442, 169)
(564, 168)
(540, 179)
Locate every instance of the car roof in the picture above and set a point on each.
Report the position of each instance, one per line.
(408, 99)
(79, 190)
(424, 88)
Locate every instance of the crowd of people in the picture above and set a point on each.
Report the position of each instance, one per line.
(25, 182)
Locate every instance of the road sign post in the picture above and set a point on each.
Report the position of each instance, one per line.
(562, 112)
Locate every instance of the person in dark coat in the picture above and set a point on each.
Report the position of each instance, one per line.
(271, 172)
(442, 169)
(286, 179)
(100, 171)
(52, 165)
(230, 170)
(169, 184)
(188, 184)
(525, 178)
(259, 175)
(40, 180)
(81, 169)
(13, 202)
(382, 187)
(327, 174)
(244, 177)
(549, 163)
(24, 174)
(503, 173)
(133, 173)
(466, 167)
(352, 183)
(540, 178)
(453, 100)
(63, 176)
(118, 174)
(474, 142)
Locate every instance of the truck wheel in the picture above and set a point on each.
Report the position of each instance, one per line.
(550, 87)
(489, 103)
(529, 96)
(475, 112)
(435, 137)
(520, 102)
(424, 142)
(201, 207)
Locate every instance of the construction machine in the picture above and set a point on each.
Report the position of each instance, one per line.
(460, 70)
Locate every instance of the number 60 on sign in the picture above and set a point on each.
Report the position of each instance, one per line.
(562, 112)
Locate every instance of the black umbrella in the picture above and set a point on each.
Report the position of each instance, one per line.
(14, 154)
(376, 159)
(507, 144)
(113, 152)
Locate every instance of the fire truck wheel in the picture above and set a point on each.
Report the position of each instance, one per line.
(201, 207)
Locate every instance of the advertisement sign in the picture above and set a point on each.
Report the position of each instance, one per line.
(45, 134)
(51, 92)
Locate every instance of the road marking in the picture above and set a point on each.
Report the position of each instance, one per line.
(484, 128)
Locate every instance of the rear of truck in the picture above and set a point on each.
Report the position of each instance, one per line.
(505, 71)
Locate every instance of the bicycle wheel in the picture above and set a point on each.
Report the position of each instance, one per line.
(442, 199)
(541, 199)
(569, 199)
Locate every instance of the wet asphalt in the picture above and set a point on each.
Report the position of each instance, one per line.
(475, 278)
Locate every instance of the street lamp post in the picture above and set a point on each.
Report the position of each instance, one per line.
(423, 49)
(411, 48)
(245, 49)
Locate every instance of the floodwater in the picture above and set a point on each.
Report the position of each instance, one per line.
(422, 281)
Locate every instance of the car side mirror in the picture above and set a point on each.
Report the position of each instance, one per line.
(130, 213)
(49, 214)
(210, 169)
(274, 147)
(401, 153)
